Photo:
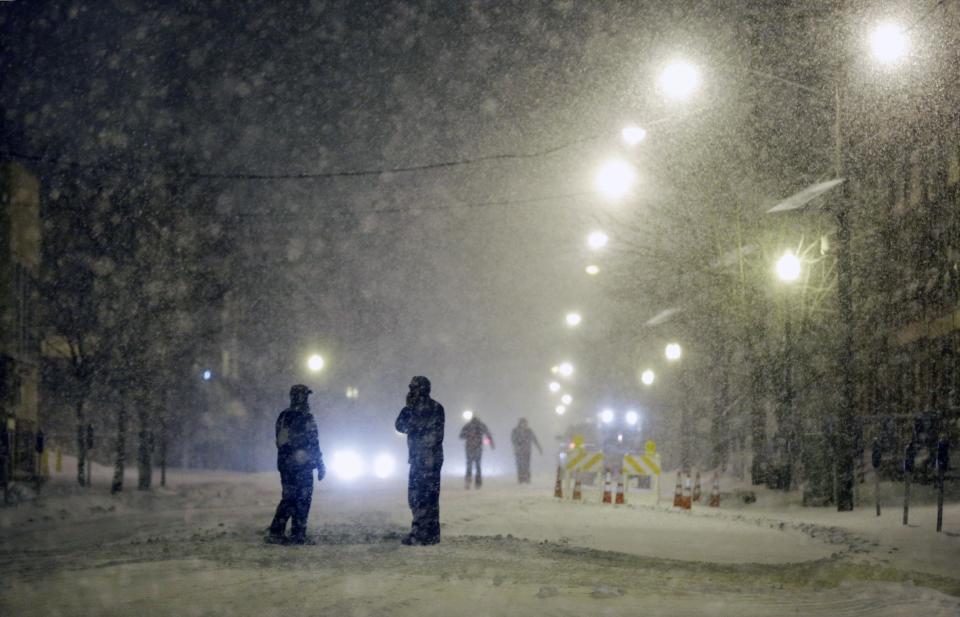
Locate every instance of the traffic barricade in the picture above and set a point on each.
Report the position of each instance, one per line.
(581, 467)
(646, 469)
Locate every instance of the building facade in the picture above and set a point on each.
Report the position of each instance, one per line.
(20, 233)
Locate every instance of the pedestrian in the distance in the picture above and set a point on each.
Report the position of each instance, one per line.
(522, 437)
(473, 432)
(298, 454)
(422, 420)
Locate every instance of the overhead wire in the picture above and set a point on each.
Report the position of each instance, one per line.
(461, 162)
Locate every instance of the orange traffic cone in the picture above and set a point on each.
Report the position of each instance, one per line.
(715, 493)
(678, 494)
(558, 487)
(621, 497)
(686, 501)
(607, 497)
(577, 496)
(696, 489)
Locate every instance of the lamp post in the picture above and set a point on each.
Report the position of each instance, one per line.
(315, 363)
(615, 179)
(597, 240)
(788, 270)
(679, 80)
(888, 44)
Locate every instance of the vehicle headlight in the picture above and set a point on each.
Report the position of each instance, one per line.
(384, 465)
(346, 464)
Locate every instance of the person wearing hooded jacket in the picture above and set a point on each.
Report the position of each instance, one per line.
(522, 437)
(422, 421)
(298, 454)
(473, 432)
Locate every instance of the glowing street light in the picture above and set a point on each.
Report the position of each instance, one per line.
(679, 80)
(647, 377)
(560, 409)
(673, 351)
(633, 135)
(632, 418)
(565, 369)
(383, 465)
(353, 393)
(592, 270)
(566, 399)
(573, 319)
(554, 387)
(888, 43)
(315, 363)
(615, 178)
(788, 267)
(467, 415)
(606, 416)
(346, 464)
(207, 375)
(597, 240)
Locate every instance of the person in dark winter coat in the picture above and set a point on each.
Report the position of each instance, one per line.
(422, 421)
(522, 437)
(473, 433)
(298, 454)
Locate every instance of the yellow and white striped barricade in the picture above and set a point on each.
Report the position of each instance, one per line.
(640, 466)
(579, 463)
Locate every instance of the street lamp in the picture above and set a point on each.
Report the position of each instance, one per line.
(574, 319)
(467, 415)
(632, 418)
(679, 80)
(597, 240)
(672, 351)
(788, 267)
(560, 409)
(888, 43)
(554, 387)
(647, 377)
(315, 363)
(566, 399)
(615, 178)
(606, 416)
(592, 270)
(633, 135)
(565, 369)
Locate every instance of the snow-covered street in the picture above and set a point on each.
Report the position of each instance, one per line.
(195, 548)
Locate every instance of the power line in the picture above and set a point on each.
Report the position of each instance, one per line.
(454, 163)
(394, 170)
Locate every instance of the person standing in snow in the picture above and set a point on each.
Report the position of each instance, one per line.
(473, 433)
(522, 437)
(422, 421)
(298, 454)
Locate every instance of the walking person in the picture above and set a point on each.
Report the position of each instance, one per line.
(422, 420)
(473, 433)
(522, 437)
(298, 454)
